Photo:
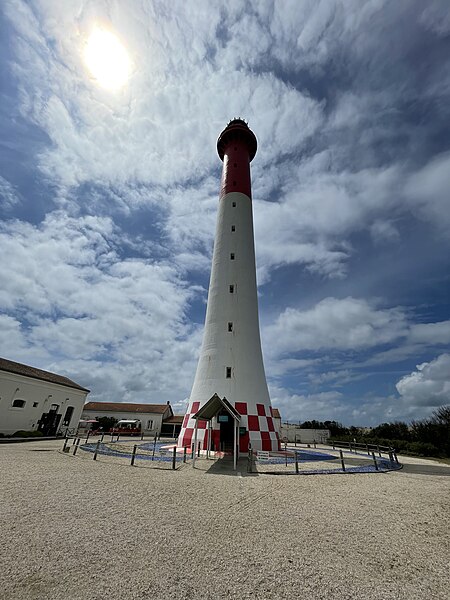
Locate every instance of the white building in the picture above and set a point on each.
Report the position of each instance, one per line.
(32, 399)
(151, 416)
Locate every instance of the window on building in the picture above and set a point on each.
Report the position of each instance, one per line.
(68, 415)
(150, 424)
(228, 372)
(230, 326)
(233, 228)
(19, 403)
(231, 289)
(232, 256)
(234, 205)
(35, 404)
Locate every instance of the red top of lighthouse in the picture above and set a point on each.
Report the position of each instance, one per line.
(236, 146)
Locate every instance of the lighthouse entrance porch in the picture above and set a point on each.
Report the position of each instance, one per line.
(218, 411)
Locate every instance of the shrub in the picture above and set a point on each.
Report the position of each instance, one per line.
(25, 434)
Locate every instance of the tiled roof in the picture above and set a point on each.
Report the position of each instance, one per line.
(20, 369)
(158, 409)
(174, 419)
(276, 413)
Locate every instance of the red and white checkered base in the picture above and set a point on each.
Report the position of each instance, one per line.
(260, 430)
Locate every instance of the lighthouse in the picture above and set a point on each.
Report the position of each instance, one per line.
(229, 406)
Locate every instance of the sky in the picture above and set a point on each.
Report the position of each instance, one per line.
(109, 196)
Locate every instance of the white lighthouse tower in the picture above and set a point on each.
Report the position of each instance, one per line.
(230, 374)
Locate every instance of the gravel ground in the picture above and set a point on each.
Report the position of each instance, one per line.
(76, 529)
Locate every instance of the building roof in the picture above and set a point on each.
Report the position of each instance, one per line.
(155, 409)
(213, 406)
(19, 369)
(174, 420)
(276, 413)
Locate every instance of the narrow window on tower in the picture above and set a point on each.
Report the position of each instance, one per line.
(232, 256)
(230, 326)
(234, 205)
(233, 228)
(228, 372)
(231, 289)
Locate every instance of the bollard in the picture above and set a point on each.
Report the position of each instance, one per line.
(350, 446)
(174, 458)
(375, 461)
(198, 452)
(88, 434)
(249, 461)
(65, 444)
(368, 451)
(74, 440)
(142, 435)
(103, 435)
(118, 435)
(342, 460)
(184, 454)
(96, 450)
(315, 444)
(333, 446)
(379, 451)
(295, 440)
(296, 462)
(133, 455)
(285, 452)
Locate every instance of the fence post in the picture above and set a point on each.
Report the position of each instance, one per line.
(154, 447)
(184, 454)
(96, 450)
(285, 453)
(333, 446)
(74, 440)
(342, 460)
(133, 455)
(314, 443)
(375, 461)
(103, 435)
(142, 434)
(295, 440)
(65, 444)
(296, 461)
(88, 434)
(350, 446)
(174, 458)
(198, 451)
(379, 451)
(75, 448)
(368, 451)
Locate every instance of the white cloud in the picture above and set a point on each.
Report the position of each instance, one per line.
(320, 406)
(429, 385)
(88, 307)
(8, 194)
(346, 324)
(428, 191)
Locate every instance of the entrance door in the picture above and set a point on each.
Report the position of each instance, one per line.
(49, 422)
(226, 423)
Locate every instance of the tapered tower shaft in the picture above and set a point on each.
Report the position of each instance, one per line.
(231, 363)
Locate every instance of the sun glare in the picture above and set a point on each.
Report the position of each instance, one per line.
(107, 59)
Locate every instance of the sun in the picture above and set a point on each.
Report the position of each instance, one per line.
(107, 59)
